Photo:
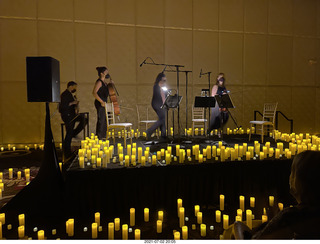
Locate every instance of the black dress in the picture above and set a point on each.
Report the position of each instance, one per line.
(101, 128)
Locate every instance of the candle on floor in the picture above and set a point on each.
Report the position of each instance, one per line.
(97, 218)
(160, 215)
(0, 193)
(179, 205)
(94, 227)
(200, 158)
(137, 234)
(199, 217)
(203, 230)
(111, 231)
(60, 166)
(19, 175)
(277, 153)
(241, 199)
(218, 216)
(10, 173)
(126, 160)
(264, 218)
(221, 202)
(3, 218)
(252, 202)
(280, 205)
(238, 218)
(271, 201)
(146, 215)
(117, 224)
(70, 227)
(21, 231)
(196, 209)
(132, 217)
(159, 226)
(185, 232)
(209, 152)
(154, 159)
(21, 219)
(125, 232)
(225, 221)
(143, 161)
(41, 235)
(181, 217)
(239, 213)
(177, 235)
(249, 218)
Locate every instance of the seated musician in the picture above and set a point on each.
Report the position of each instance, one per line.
(218, 114)
(69, 111)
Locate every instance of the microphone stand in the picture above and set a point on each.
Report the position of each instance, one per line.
(207, 73)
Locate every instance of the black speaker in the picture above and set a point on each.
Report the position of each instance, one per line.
(43, 79)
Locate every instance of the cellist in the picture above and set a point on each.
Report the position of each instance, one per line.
(101, 94)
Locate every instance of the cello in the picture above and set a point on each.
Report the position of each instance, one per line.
(113, 96)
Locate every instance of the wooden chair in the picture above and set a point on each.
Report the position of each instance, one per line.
(198, 119)
(269, 112)
(111, 125)
(147, 121)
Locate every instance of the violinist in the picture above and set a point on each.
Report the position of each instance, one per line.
(101, 94)
(69, 111)
(218, 114)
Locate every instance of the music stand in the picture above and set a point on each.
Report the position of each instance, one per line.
(171, 101)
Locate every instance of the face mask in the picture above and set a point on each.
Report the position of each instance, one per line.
(107, 76)
(73, 91)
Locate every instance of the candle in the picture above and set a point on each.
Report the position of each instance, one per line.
(133, 160)
(0, 230)
(249, 218)
(111, 231)
(0, 193)
(262, 155)
(239, 213)
(143, 161)
(196, 209)
(132, 216)
(137, 234)
(203, 230)
(181, 217)
(199, 217)
(177, 235)
(238, 218)
(277, 153)
(168, 158)
(289, 154)
(97, 218)
(125, 232)
(70, 227)
(2, 186)
(221, 202)
(10, 173)
(21, 231)
(41, 235)
(185, 232)
(160, 215)
(214, 151)
(252, 202)
(19, 175)
(21, 219)
(117, 224)
(159, 226)
(241, 199)
(280, 205)
(179, 205)
(209, 152)
(94, 227)
(3, 218)
(200, 158)
(225, 221)
(139, 154)
(218, 216)
(154, 159)
(126, 160)
(271, 201)
(264, 218)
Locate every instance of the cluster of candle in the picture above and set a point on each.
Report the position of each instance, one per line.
(26, 147)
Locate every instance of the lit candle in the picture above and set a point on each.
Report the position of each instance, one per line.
(117, 224)
(2, 186)
(208, 152)
(280, 205)
(70, 227)
(129, 150)
(0, 193)
(133, 160)
(94, 227)
(97, 218)
(111, 231)
(179, 205)
(225, 221)
(168, 158)
(239, 213)
(271, 201)
(21, 219)
(19, 175)
(126, 160)
(146, 215)
(218, 216)
(264, 218)
(0, 230)
(154, 159)
(60, 166)
(262, 155)
(177, 235)
(10, 173)
(3, 218)
(134, 150)
(196, 209)
(41, 235)
(238, 218)
(137, 233)
(185, 232)
(139, 154)
(203, 229)
(21, 231)
(199, 217)
(249, 218)
(221, 202)
(252, 202)
(241, 198)
(125, 232)
(143, 161)
(214, 151)
(159, 226)
(181, 217)
(289, 154)
(200, 158)
(160, 215)
(277, 153)
(132, 216)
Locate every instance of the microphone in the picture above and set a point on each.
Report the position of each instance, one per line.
(144, 61)
(200, 73)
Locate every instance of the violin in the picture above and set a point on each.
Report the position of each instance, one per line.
(113, 96)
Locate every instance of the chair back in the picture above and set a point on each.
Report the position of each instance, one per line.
(269, 111)
(197, 113)
(109, 113)
(143, 112)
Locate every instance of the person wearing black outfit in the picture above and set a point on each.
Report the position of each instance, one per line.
(68, 109)
(218, 113)
(158, 99)
(101, 94)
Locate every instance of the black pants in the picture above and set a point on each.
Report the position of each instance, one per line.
(161, 122)
(69, 122)
(216, 117)
(101, 128)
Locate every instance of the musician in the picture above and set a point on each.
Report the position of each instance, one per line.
(158, 99)
(69, 111)
(218, 113)
(101, 94)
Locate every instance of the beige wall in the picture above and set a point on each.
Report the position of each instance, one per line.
(263, 47)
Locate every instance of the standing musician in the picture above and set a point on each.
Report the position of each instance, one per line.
(158, 99)
(101, 94)
(218, 114)
(69, 111)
